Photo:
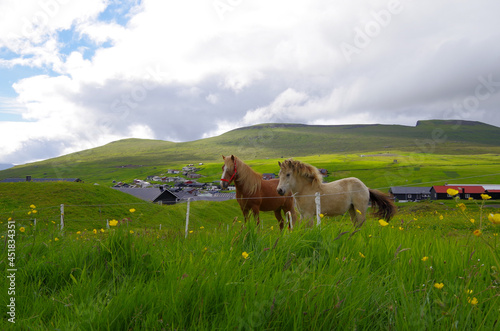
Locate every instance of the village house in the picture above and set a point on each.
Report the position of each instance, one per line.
(141, 183)
(155, 195)
(268, 176)
(324, 172)
(189, 169)
(493, 190)
(464, 192)
(440, 192)
(404, 194)
(154, 178)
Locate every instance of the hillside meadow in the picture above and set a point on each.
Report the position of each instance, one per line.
(429, 268)
(376, 169)
(429, 145)
(424, 270)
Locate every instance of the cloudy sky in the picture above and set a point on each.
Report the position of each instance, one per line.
(76, 74)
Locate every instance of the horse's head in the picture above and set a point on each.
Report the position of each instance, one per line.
(286, 177)
(293, 174)
(228, 171)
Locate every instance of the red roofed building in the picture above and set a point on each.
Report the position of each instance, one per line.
(494, 194)
(464, 192)
(473, 192)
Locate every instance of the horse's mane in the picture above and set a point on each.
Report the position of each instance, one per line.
(249, 179)
(303, 170)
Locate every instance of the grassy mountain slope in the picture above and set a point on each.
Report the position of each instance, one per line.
(138, 158)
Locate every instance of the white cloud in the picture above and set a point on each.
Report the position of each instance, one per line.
(181, 71)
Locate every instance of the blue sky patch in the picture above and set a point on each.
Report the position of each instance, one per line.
(118, 12)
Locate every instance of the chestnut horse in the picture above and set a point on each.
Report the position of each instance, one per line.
(253, 193)
(337, 197)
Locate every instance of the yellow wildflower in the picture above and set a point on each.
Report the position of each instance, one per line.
(472, 301)
(202, 227)
(477, 232)
(468, 291)
(472, 220)
(485, 197)
(113, 223)
(321, 215)
(383, 223)
(425, 258)
(244, 255)
(34, 211)
(78, 232)
(439, 285)
(56, 239)
(357, 211)
(132, 210)
(32, 206)
(191, 231)
(362, 256)
(9, 219)
(494, 218)
(102, 230)
(441, 217)
(131, 232)
(95, 231)
(471, 198)
(452, 192)
(272, 228)
(22, 229)
(401, 228)
(462, 206)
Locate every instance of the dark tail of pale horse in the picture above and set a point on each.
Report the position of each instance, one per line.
(382, 205)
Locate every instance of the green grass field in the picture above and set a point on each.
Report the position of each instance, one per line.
(429, 269)
(228, 275)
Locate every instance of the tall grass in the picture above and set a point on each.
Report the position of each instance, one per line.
(328, 277)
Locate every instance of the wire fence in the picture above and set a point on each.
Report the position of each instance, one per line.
(104, 213)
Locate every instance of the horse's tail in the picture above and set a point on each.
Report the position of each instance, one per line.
(385, 207)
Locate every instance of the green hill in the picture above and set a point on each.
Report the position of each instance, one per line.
(88, 207)
(138, 158)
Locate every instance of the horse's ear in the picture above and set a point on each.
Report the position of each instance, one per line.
(232, 157)
(223, 157)
(279, 163)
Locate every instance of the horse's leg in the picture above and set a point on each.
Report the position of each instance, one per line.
(255, 212)
(277, 214)
(357, 215)
(245, 214)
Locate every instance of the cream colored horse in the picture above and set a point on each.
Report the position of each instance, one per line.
(338, 197)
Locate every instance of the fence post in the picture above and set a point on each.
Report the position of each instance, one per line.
(187, 217)
(62, 216)
(318, 208)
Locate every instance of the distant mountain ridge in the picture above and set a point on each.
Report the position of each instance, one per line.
(272, 140)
